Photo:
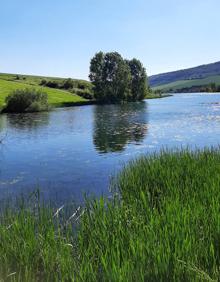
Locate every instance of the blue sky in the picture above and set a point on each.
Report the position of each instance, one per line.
(58, 38)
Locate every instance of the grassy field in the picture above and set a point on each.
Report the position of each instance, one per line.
(56, 97)
(32, 79)
(189, 83)
(161, 224)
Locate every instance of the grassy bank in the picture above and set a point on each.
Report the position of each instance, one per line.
(56, 97)
(78, 94)
(157, 95)
(164, 226)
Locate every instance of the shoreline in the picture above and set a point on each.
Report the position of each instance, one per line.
(156, 226)
(87, 103)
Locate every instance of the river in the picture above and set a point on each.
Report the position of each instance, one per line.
(70, 152)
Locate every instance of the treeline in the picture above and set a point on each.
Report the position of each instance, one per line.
(210, 88)
(79, 87)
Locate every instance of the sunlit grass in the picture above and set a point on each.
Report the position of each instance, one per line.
(180, 84)
(56, 97)
(161, 224)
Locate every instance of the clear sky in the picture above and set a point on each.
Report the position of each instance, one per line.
(59, 37)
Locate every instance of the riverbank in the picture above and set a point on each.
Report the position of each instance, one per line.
(158, 96)
(164, 227)
(56, 97)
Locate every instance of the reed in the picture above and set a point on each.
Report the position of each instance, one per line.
(161, 224)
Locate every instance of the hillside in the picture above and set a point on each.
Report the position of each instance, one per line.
(192, 76)
(186, 84)
(56, 97)
(35, 79)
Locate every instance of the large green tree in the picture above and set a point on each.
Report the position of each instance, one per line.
(138, 79)
(116, 79)
(96, 74)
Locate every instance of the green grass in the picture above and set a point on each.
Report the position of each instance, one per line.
(33, 79)
(189, 83)
(56, 97)
(162, 224)
(157, 95)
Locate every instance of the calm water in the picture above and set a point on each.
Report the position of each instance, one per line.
(70, 151)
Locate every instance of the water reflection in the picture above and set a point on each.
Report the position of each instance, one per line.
(3, 123)
(29, 121)
(55, 151)
(117, 125)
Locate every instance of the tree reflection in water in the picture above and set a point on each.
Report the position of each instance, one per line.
(117, 125)
(29, 121)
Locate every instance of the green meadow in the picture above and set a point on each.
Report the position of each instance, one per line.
(162, 223)
(34, 79)
(189, 83)
(56, 97)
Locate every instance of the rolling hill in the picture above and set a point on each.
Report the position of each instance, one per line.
(184, 84)
(56, 97)
(182, 79)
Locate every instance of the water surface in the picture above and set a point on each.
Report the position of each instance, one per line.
(71, 151)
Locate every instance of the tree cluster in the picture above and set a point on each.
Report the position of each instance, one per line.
(66, 84)
(116, 79)
(209, 88)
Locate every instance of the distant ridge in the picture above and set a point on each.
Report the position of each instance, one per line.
(199, 72)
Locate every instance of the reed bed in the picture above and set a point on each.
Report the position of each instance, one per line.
(161, 224)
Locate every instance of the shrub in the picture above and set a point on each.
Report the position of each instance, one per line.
(67, 84)
(85, 93)
(43, 82)
(81, 86)
(84, 85)
(26, 100)
(52, 84)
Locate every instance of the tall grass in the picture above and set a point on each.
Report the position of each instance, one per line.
(36, 243)
(162, 224)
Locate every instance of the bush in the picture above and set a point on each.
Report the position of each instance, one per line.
(84, 93)
(52, 84)
(26, 100)
(67, 84)
(43, 82)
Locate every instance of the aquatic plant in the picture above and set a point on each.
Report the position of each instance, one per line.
(161, 224)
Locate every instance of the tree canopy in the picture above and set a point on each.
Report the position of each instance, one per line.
(116, 79)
